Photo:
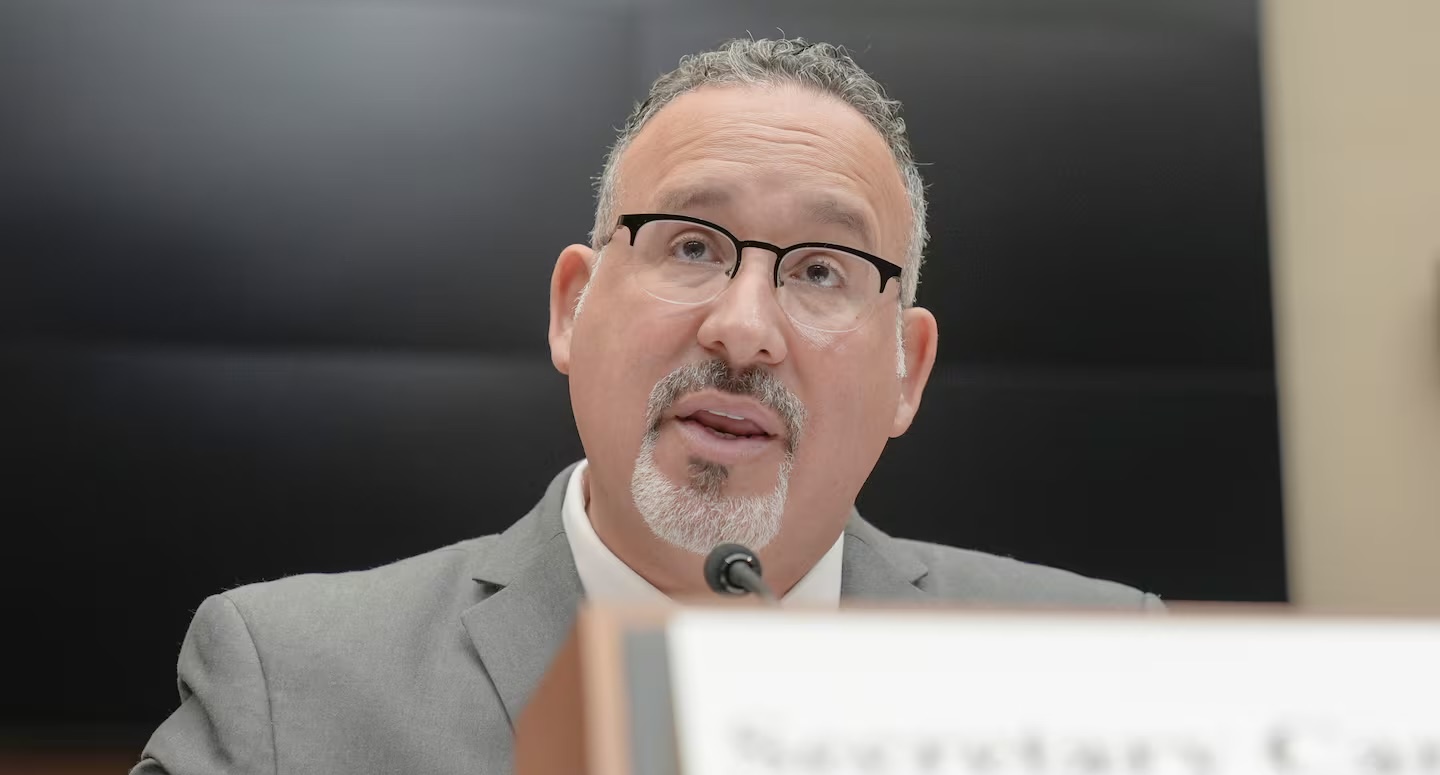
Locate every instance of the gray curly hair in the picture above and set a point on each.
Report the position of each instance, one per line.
(822, 67)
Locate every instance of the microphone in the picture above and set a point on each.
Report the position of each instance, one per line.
(731, 569)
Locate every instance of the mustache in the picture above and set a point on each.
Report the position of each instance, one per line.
(754, 382)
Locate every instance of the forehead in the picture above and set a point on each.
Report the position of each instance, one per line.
(779, 159)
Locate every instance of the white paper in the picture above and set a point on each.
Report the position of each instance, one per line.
(875, 694)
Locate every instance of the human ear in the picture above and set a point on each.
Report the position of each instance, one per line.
(919, 337)
(573, 271)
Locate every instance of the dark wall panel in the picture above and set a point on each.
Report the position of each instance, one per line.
(1134, 477)
(145, 478)
(355, 174)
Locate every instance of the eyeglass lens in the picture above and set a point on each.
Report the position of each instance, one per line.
(687, 263)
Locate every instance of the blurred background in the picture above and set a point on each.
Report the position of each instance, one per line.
(273, 288)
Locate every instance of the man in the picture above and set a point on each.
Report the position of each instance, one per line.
(741, 340)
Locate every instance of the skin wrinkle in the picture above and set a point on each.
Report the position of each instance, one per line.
(825, 209)
(726, 138)
(739, 140)
(776, 168)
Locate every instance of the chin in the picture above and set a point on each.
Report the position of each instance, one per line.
(703, 506)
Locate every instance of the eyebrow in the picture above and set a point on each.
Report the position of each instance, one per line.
(832, 212)
(826, 211)
(682, 199)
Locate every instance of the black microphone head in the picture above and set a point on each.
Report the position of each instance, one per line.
(717, 567)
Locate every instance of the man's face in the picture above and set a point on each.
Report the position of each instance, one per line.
(656, 385)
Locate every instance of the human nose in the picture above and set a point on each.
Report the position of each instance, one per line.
(745, 324)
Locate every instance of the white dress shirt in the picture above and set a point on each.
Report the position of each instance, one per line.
(607, 578)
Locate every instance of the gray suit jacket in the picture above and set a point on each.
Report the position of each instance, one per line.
(424, 665)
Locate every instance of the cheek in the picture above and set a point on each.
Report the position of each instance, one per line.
(851, 420)
(856, 375)
(864, 408)
(629, 338)
(622, 346)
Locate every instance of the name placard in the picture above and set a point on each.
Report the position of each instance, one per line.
(901, 693)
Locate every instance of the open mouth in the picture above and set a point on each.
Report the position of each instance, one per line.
(724, 425)
(723, 436)
(727, 428)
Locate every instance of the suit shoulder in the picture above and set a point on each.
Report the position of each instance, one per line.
(967, 574)
(364, 600)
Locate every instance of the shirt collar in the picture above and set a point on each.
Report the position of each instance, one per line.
(607, 578)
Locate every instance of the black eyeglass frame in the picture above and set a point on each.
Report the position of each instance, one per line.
(633, 222)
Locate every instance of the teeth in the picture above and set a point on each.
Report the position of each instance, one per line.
(725, 414)
(720, 433)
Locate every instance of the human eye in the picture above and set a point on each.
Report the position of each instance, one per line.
(818, 270)
(695, 247)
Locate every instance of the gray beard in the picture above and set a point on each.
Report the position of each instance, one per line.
(698, 516)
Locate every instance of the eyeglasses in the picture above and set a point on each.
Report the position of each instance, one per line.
(684, 260)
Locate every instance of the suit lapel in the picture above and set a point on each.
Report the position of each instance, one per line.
(534, 591)
(876, 567)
